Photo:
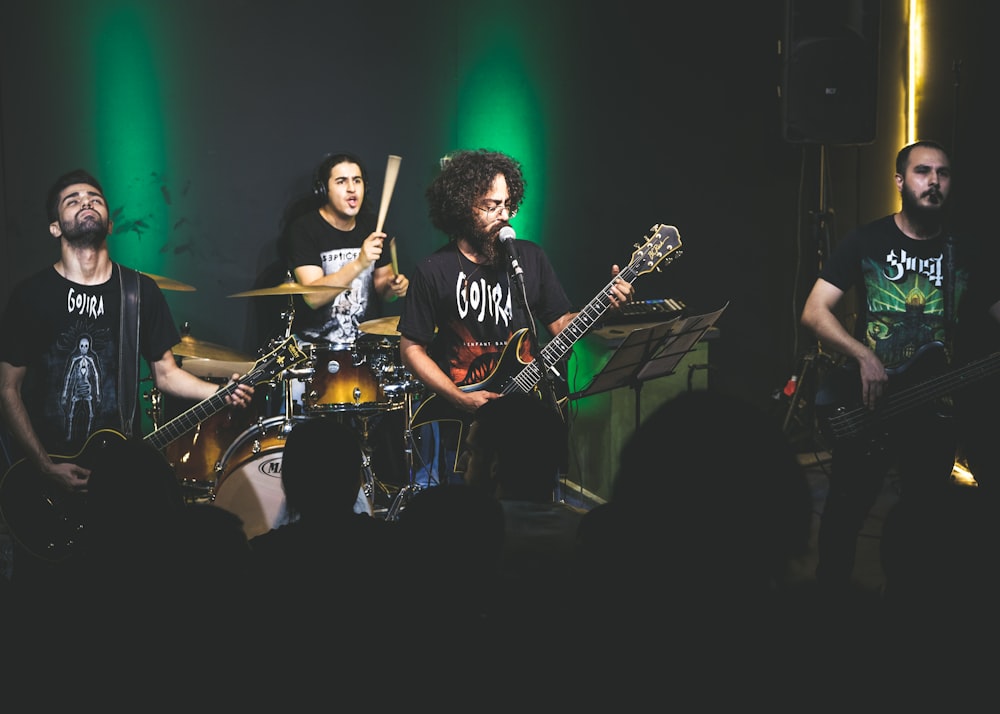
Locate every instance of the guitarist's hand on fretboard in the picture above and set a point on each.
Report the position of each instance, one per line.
(242, 396)
(621, 290)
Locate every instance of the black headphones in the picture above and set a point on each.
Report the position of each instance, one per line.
(322, 176)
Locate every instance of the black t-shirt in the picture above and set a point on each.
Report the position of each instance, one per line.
(903, 287)
(68, 336)
(313, 241)
(465, 312)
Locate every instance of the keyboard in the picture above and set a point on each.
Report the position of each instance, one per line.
(656, 310)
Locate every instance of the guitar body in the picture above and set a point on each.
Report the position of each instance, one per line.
(916, 388)
(44, 518)
(433, 408)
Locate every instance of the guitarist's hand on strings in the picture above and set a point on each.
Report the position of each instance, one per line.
(471, 401)
(874, 379)
(69, 476)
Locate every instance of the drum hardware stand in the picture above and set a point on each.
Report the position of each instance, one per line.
(406, 492)
(371, 482)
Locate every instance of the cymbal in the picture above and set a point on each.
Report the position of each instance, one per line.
(190, 347)
(170, 283)
(381, 326)
(215, 368)
(290, 288)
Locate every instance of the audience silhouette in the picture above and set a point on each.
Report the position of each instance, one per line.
(129, 560)
(323, 570)
(693, 555)
(709, 508)
(449, 565)
(515, 448)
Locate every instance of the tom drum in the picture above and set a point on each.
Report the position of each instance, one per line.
(343, 380)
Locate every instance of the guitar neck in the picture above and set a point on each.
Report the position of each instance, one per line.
(284, 356)
(663, 245)
(560, 345)
(180, 425)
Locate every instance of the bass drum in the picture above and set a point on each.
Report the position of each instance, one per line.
(249, 482)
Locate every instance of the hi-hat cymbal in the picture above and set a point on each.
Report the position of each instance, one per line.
(290, 288)
(170, 283)
(190, 347)
(381, 326)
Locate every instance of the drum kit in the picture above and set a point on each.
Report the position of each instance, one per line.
(233, 458)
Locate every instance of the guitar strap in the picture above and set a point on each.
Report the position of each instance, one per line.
(949, 290)
(128, 349)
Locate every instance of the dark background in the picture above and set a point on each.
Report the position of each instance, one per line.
(205, 119)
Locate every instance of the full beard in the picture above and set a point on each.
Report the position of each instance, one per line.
(928, 217)
(86, 233)
(486, 243)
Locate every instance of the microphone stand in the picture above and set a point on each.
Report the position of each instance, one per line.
(549, 392)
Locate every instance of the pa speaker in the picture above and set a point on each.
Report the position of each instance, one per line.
(829, 82)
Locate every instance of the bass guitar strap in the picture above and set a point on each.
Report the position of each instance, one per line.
(949, 291)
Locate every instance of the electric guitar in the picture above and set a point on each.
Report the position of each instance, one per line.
(48, 521)
(922, 379)
(512, 374)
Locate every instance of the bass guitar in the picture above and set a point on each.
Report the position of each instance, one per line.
(921, 380)
(48, 521)
(512, 374)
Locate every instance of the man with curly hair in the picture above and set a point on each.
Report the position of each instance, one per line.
(465, 307)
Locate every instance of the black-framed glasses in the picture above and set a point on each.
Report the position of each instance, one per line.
(492, 211)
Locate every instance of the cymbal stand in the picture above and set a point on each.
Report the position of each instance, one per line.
(412, 488)
(366, 463)
(408, 432)
(289, 374)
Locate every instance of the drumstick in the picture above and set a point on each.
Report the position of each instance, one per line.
(391, 171)
(395, 258)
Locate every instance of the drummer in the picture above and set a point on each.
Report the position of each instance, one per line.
(336, 245)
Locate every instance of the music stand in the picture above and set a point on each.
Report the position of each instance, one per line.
(650, 352)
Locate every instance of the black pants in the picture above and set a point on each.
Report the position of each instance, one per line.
(922, 451)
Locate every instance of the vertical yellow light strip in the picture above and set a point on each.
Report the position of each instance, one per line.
(915, 70)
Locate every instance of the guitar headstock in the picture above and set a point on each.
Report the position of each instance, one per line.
(663, 242)
(285, 356)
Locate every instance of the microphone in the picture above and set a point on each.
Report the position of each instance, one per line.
(507, 236)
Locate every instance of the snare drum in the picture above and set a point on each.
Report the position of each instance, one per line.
(342, 380)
